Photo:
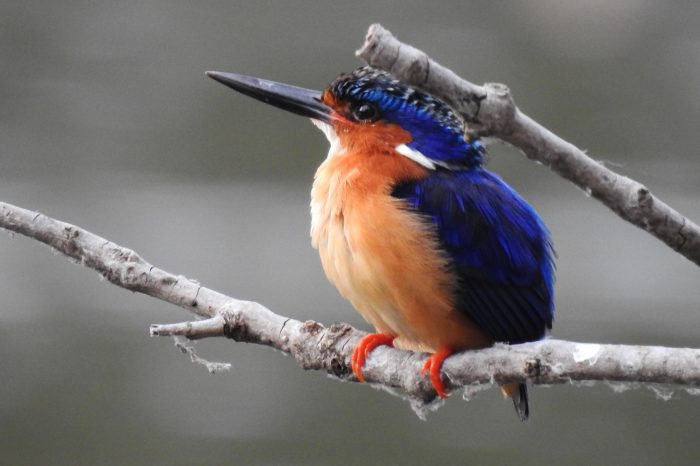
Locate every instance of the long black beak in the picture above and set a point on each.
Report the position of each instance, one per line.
(295, 99)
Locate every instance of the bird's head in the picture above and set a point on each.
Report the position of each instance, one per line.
(369, 109)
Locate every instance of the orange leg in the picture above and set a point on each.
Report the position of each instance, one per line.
(367, 344)
(433, 366)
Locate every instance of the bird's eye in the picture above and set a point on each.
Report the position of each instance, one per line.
(365, 112)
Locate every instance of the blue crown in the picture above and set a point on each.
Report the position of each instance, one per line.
(437, 130)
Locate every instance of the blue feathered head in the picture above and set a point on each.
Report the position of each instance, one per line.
(437, 131)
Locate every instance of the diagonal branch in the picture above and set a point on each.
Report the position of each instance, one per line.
(329, 349)
(489, 110)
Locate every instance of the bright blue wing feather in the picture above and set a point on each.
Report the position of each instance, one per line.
(500, 250)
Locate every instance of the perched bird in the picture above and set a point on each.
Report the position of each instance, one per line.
(436, 252)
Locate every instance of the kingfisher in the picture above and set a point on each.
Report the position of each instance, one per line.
(437, 253)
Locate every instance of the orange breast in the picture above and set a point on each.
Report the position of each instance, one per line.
(384, 259)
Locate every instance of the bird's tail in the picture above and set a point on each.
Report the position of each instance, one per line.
(518, 393)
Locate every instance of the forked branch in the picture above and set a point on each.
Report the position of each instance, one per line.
(489, 111)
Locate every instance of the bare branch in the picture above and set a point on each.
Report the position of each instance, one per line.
(489, 110)
(212, 327)
(330, 348)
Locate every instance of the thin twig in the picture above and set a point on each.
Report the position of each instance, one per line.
(489, 110)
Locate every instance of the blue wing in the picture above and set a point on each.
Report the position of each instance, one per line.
(500, 250)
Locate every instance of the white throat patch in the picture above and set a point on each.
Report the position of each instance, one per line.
(337, 149)
(331, 135)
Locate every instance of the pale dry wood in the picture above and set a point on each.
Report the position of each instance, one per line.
(329, 349)
(489, 111)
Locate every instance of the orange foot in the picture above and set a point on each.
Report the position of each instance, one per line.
(433, 366)
(367, 344)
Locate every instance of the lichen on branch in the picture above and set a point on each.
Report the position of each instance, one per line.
(329, 349)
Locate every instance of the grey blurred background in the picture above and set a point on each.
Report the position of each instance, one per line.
(107, 121)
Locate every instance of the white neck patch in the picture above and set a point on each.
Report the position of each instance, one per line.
(337, 149)
(415, 155)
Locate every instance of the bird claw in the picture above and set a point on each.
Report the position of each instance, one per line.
(364, 347)
(433, 366)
